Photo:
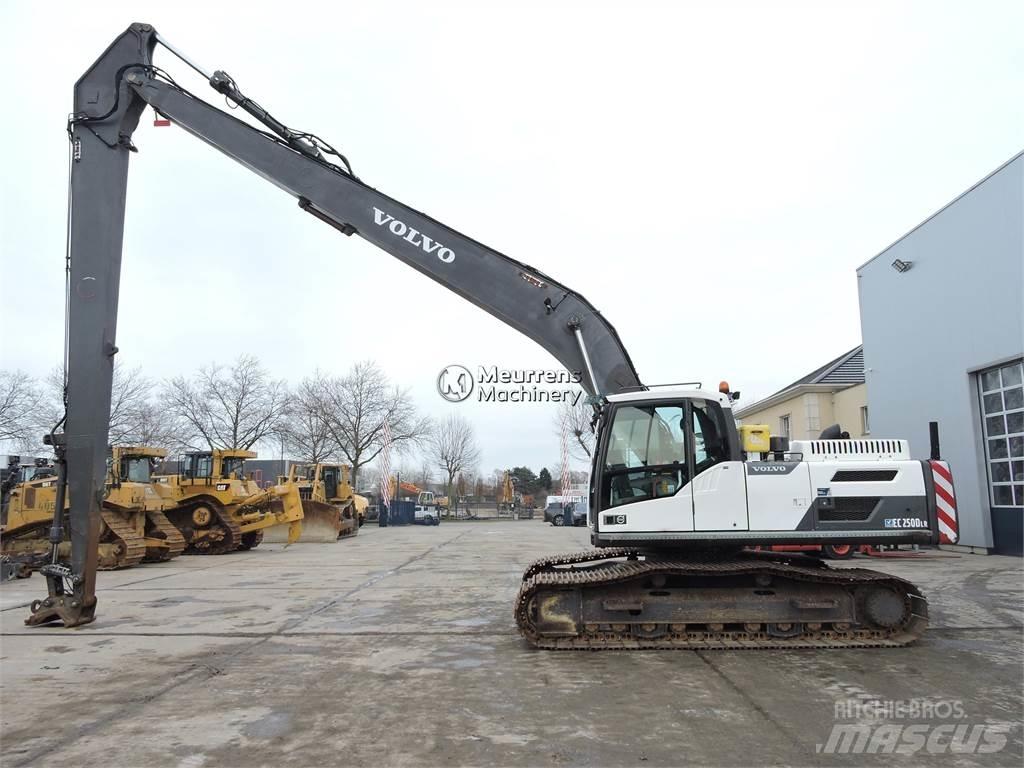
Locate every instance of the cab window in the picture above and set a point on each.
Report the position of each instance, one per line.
(645, 457)
(235, 465)
(135, 470)
(709, 437)
(200, 465)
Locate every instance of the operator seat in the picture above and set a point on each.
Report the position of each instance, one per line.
(620, 487)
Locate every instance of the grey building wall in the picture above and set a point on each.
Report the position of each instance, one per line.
(927, 331)
(266, 471)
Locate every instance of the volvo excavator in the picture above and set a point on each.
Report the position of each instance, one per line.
(674, 499)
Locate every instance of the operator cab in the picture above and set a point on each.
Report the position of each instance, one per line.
(197, 465)
(232, 466)
(667, 462)
(332, 479)
(656, 443)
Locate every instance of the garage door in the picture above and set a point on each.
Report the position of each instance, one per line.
(1002, 406)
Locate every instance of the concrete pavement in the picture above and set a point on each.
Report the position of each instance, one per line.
(398, 647)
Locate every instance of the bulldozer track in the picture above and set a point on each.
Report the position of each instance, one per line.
(234, 533)
(203, 545)
(175, 542)
(28, 546)
(132, 545)
(569, 577)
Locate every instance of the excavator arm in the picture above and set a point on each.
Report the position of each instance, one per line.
(109, 98)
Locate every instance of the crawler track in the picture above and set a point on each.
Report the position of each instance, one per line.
(595, 600)
(221, 535)
(159, 527)
(120, 546)
(125, 546)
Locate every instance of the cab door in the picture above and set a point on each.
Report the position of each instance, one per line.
(644, 474)
(719, 484)
(331, 482)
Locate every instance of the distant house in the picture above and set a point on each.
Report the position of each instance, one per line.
(832, 394)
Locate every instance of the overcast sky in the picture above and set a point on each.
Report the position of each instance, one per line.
(709, 175)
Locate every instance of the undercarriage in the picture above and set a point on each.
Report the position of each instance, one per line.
(121, 545)
(628, 599)
(207, 527)
(163, 540)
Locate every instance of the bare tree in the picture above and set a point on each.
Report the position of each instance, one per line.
(20, 410)
(404, 471)
(370, 478)
(156, 426)
(307, 432)
(134, 416)
(232, 407)
(454, 448)
(425, 473)
(356, 407)
(576, 419)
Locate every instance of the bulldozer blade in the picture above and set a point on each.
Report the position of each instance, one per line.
(320, 523)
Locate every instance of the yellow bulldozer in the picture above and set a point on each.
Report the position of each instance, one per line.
(134, 527)
(217, 510)
(130, 480)
(331, 509)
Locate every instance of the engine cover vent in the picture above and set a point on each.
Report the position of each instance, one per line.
(849, 509)
(864, 476)
(852, 450)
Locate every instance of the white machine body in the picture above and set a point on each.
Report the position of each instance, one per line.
(670, 473)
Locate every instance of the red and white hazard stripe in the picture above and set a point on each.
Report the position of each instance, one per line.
(385, 467)
(566, 472)
(945, 502)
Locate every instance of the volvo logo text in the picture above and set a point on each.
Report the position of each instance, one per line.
(770, 468)
(413, 236)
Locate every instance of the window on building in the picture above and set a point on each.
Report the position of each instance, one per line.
(865, 425)
(784, 425)
(1001, 391)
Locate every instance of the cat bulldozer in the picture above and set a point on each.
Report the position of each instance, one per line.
(18, 555)
(329, 505)
(133, 527)
(217, 510)
(131, 468)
